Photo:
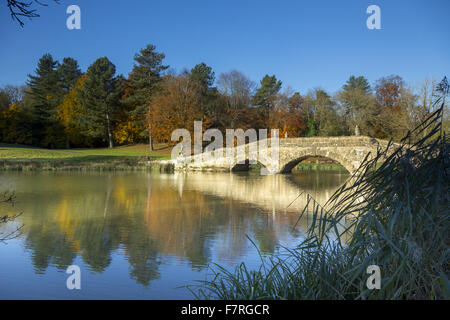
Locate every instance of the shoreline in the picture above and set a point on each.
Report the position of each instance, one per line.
(129, 164)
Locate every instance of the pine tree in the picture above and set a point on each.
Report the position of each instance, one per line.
(45, 96)
(68, 73)
(145, 81)
(203, 77)
(100, 97)
(265, 96)
(357, 83)
(270, 86)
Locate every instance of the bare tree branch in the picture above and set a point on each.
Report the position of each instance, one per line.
(8, 198)
(19, 9)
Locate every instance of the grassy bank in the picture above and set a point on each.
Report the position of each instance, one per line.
(137, 157)
(394, 215)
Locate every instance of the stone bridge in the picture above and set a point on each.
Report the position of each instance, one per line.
(348, 151)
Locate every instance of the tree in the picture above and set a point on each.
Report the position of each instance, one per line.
(265, 96)
(144, 81)
(442, 92)
(19, 9)
(357, 83)
(237, 90)
(9, 95)
(358, 105)
(45, 96)
(5, 100)
(68, 73)
(287, 115)
(203, 77)
(129, 127)
(100, 95)
(46, 91)
(388, 91)
(42, 85)
(70, 114)
(15, 123)
(393, 99)
(175, 106)
(323, 119)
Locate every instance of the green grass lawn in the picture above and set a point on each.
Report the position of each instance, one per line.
(18, 153)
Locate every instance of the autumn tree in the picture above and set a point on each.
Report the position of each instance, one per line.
(296, 115)
(175, 106)
(287, 115)
(70, 115)
(10, 94)
(392, 98)
(15, 124)
(129, 127)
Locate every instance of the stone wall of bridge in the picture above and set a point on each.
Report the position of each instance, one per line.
(348, 151)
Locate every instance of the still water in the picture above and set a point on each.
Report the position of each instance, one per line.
(145, 236)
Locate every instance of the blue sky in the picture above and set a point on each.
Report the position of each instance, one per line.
(306, 44)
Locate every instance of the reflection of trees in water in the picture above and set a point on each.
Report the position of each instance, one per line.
(147, 217)
(48, 246)
(142, 252)
(265, 236)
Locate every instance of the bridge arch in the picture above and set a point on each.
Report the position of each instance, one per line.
(240, 167)
(288, 167)
(294, 156)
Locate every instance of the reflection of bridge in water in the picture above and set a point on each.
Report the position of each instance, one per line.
(273, 193)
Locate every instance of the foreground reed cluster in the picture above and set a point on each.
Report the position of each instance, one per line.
(393, 213)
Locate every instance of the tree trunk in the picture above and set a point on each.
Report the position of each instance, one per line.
(150, 141)
(110, 138)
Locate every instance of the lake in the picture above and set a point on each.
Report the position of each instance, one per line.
(146, 235)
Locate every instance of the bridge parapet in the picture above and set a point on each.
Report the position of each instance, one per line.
(348, 151)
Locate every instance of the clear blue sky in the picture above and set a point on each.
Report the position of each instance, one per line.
(306, 44)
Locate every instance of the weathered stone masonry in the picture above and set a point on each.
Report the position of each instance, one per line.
(348, 151)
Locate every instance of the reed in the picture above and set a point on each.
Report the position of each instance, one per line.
(395, 213)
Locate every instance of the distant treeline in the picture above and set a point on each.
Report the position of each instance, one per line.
(62, 107)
